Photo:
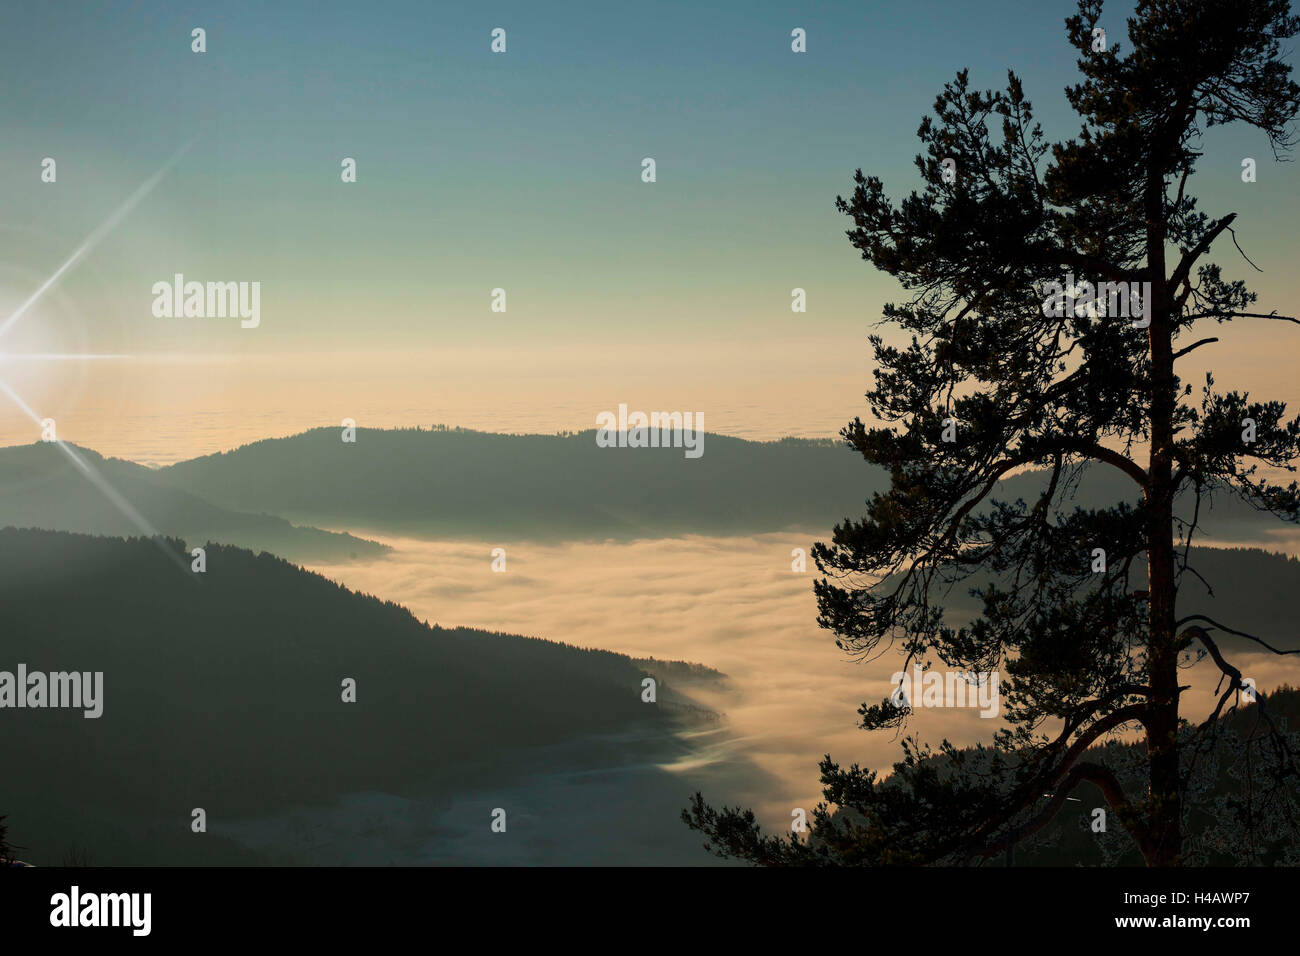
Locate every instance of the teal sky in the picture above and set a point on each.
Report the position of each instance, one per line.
(519, 171)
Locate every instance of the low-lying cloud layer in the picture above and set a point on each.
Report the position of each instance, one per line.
(732, 603)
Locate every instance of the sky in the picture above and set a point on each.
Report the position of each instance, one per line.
(522, 171)
(478, 171)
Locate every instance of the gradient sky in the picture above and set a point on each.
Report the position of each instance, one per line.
(519, 171)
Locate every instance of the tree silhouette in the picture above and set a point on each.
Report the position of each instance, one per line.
(1017, 382)
(6, 851)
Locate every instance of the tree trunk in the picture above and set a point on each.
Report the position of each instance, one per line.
(1164, 814)
(1165, 801)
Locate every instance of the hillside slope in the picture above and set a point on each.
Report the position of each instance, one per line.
(457, 481)
(461, 482)
(41, 487)
(223, 691)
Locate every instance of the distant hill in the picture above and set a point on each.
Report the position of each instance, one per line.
(467, 482)
(40, 487)
(223, 691)
(1223, 515)
(1253, 592)
(456, 481)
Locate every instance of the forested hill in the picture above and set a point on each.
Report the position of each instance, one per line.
(41, 486)
(223, 690)
(455, 481)
(1231, 784)
(1245, 589)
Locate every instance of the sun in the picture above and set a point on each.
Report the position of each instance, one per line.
(90, 242)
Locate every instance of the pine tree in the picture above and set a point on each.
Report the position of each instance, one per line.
(1015, 382)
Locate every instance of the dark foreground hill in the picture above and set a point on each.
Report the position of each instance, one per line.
(460, 482)
(1231, 785)
(1235, 811)
(222, 691)
(41, 486)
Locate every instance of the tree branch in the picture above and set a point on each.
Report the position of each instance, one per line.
(1195, 345)
(1227, 630)
(1184, 269)
(1245, 315)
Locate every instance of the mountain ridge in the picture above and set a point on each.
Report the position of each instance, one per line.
(41, 487)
